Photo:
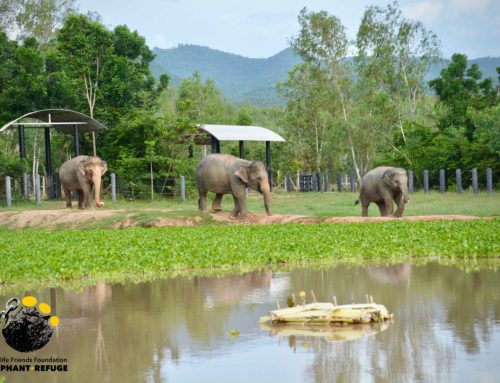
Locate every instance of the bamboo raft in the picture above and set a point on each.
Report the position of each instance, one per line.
(328, 313)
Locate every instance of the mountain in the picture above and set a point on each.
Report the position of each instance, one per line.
(253, 81)
(240, 79)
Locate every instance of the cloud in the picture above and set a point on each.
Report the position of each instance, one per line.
(159, 40)
(425, 11)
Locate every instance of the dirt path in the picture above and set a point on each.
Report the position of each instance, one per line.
(63, 218)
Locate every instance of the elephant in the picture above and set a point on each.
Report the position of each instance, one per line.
(383, 185)
(227, 174)
(83, 174)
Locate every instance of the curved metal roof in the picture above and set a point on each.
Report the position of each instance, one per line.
(61, 119)
(241, 133)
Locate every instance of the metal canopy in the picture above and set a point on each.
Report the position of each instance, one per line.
(61, 119)
(240, 133)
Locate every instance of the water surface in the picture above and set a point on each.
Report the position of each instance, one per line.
(446, 328)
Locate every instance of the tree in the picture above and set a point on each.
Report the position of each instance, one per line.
(461, 89)
(22, 78)
(110, 70)
(322, 42)
(310, 121)
(87, 46)
(198, 102)
(468, 116)
(34, 18)
(394, 53)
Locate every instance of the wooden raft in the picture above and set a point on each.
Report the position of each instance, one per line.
(326, 313)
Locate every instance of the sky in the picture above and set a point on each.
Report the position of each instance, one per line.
(262, 28)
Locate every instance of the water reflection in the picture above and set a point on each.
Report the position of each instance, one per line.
(446, 326)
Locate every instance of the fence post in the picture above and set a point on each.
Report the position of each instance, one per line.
(474, 181)
(25, 185)
(426, 181)
(314, 182)
(37, 188)
(113, 187)
(410, 181)
(458, 173)
(288, 182)
(339, 181)
(327, 182)
(442, 186)
(8, 192)
(489, 180)
(353, 183)
(183, 189)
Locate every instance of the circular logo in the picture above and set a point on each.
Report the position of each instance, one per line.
(26, 327)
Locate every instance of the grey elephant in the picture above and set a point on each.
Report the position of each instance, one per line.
(83, 174)
(383, 185)
(227, 174)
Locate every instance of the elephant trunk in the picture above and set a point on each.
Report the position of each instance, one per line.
(96, 179)
(404, 194)
(266, 192)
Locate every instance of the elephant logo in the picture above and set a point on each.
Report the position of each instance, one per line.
(25, 327)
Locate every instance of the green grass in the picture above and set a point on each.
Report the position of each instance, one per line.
(310, 204)
(52, 256)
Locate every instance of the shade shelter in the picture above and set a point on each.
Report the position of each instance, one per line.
(241, 133)
(64, 120)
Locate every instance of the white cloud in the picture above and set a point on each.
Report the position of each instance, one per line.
(159, 40)
(425, 11)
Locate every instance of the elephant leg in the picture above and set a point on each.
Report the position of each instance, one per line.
(234, 214)
(388, 206)
(216, 206)
(67, 194)
(400, 204)
(381, 208)
(86, 191)
(364, 208)
(240, 205)
(80, 199)
(202, 201)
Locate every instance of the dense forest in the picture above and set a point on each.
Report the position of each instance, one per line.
(340, 115)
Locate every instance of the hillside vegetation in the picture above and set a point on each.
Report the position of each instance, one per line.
(253, 81)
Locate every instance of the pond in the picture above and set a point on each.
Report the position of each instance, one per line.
(446, 328)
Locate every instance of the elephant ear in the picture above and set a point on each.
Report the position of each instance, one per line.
(242, 174)
(104, 167)
(81, 167)
(389, 178)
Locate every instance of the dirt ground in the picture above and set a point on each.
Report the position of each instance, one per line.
(63, 218)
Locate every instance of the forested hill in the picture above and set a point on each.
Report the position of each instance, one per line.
(249, 80)
(240, 79)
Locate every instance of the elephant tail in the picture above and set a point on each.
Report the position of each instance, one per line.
(356, 202)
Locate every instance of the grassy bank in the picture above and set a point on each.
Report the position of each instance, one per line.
(28, 255)
(316, 205)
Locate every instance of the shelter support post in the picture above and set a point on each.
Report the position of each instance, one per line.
(48, 164)
(242, 150)
(215, 145)
(48, 157)
(22, 141)
(76, 136)
(268, 163)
